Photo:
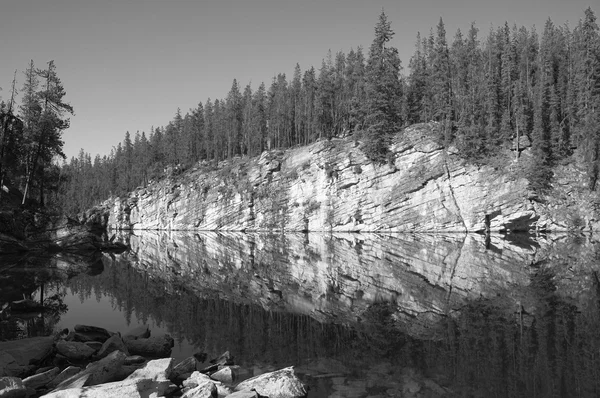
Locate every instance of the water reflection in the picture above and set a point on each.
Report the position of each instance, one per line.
(454, 315)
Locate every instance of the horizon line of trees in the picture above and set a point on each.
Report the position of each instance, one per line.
(485, 93)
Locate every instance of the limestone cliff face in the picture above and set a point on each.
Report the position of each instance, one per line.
(332, 186)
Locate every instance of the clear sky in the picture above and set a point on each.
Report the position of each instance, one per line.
(127, 65)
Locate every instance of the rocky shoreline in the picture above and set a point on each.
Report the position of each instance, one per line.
(93, 362)
(22, 231)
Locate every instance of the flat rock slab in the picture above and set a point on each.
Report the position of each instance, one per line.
(24, 352)
(92, 330)
(69, 371)
(85, 337)
(149, 381)
(41, 379)
(225, 375)
(158, 346)
(74, 350)
(99, 372)
(188, 365)
(243, 394)
(208, 390)
(281, 383)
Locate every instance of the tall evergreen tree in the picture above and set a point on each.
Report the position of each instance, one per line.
(383, 92)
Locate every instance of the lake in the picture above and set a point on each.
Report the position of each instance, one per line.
(359, 315)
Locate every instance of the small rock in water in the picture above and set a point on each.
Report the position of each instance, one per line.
(140, 332)
(92, 329)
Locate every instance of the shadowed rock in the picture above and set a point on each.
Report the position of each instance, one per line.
(12, 387)
(18, 357)
(158, 346)
(41, 379)
(74, 350)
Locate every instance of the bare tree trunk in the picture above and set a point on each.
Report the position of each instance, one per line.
(5, 120)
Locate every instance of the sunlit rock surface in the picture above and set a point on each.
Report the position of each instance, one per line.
(332, 186)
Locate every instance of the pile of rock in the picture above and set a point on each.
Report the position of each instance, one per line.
(93, 362)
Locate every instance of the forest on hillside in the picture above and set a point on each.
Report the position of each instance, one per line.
(486, 93)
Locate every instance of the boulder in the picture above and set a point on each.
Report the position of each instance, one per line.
(146, 382)
(225, 359)
(99, 372)
(281, 383)
(17, 357)
(64, 375)
(199, 385)
(92, 330)
(134, 360)
(157, 347)
(140, 332)
(87, 337)
(74, 350)
(41, 379)
(160, 368)
(243, 394)
(127, 370)
(114, 343)
(225, 375)
(208, 390)
(12, 387)
(95, 345)
(188, 365)
(9, 366)
(196, 379)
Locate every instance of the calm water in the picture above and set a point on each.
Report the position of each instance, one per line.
(359, 315)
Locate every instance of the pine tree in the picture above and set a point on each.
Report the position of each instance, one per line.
(383, 92)
(441, 83)
(234, 117)
(45, 132)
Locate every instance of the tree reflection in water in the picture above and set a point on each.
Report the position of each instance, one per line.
(517, 322)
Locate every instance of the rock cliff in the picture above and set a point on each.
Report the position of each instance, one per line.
(332, 186)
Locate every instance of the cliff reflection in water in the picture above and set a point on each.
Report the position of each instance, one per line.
(508, 318)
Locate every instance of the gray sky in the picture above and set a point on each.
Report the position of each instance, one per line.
(127, 65)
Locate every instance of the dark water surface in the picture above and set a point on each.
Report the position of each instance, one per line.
(359, 315)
